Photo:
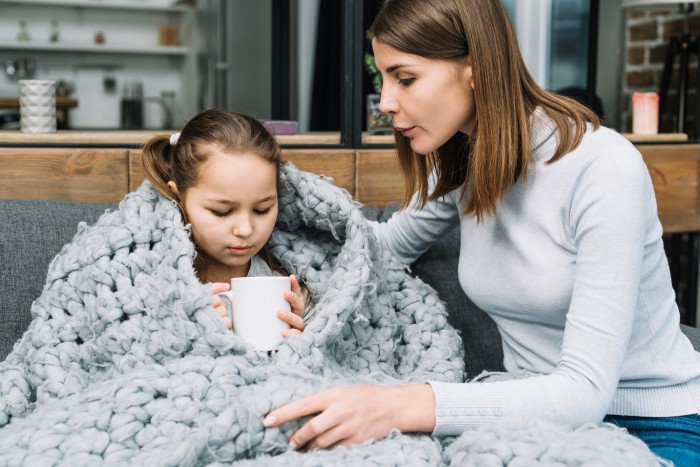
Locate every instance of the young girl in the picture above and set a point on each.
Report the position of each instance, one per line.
(560, 244)
(223, 172)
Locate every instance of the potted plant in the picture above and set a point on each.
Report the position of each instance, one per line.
(378, 123)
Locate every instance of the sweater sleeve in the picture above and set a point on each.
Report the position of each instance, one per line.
(410, 232)
(611, 206)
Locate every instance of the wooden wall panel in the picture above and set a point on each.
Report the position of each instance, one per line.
(379, 180)
(675, 172)
(135, 169)
(338, 164)
(87, 175)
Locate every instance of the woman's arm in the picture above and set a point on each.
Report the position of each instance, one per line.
(610, 215)
(410, 233)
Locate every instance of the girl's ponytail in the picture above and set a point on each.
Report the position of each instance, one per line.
(157, 164)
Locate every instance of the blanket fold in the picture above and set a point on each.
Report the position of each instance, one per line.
(125, 362)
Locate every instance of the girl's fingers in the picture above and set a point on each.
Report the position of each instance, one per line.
(294, 320)
(296, 303)
(218, 287)
(296, 288)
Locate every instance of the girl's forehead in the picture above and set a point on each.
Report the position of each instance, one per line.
(237, 173)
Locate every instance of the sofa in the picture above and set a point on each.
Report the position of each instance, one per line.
(33, 232)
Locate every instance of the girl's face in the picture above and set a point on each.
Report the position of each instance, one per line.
(232, 210)
(429, 100)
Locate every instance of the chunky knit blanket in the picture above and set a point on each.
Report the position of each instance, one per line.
(125, 362)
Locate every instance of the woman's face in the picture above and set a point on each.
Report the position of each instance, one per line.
(232, 209)
(429, 100)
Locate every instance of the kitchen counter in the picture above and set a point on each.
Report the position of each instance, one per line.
(136, 138)
(132, 138)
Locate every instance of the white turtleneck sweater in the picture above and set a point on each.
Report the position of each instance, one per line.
(572, 269)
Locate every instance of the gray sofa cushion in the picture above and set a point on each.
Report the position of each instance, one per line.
(31, 234)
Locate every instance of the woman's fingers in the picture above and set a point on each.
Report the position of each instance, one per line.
(297, 409)
(334, 437)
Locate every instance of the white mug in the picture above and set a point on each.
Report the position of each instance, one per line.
(255, 301)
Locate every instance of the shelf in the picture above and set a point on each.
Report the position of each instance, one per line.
(138, 137)
(95, 48)
(658, 138)
(106, 4)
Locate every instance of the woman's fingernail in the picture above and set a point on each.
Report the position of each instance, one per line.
(292, 445)
(269, 420)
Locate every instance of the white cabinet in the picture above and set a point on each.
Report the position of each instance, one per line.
(101, 47)
(125, 26)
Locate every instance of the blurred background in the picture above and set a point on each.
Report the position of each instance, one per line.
(288, 59)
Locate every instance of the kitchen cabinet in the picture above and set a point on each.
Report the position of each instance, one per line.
(72, 29)
(100, 48)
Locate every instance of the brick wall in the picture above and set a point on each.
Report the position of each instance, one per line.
(647, 35)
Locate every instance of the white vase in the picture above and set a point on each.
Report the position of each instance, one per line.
(37, 105)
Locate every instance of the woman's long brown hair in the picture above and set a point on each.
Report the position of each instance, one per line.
(486, 164)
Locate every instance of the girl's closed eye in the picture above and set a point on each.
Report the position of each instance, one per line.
(262, 212)
(220, 213)
(406, 81)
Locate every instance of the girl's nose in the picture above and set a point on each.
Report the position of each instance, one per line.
(243, 227)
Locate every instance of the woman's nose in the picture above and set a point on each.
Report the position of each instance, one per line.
(387, 103)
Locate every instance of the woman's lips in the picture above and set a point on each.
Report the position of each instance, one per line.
(243, 250)
(406, 131)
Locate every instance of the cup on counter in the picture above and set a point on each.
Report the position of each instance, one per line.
(645, 113)
(253, 305)
(37, 105)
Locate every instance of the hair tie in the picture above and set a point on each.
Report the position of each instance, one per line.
(173, 138)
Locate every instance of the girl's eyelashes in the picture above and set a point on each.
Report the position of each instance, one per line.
(259, 212)
(406, 81)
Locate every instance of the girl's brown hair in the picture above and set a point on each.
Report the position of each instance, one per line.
(491, 160)
(207, 132)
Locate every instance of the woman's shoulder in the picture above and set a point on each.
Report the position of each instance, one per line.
(606, 158)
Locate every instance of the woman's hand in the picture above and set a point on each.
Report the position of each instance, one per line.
(354, 414)
(295, 318)
(218, 303)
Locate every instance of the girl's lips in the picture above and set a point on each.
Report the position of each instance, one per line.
(240, 250)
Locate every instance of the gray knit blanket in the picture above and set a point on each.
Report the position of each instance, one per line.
(125, 362)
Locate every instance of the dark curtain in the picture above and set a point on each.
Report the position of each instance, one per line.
(325, 100)
(326, 95)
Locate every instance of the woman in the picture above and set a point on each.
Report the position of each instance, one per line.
(560, 244)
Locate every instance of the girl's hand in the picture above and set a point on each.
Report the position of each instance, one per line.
(355, 414)
(218, 303)
(294, 319)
